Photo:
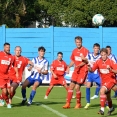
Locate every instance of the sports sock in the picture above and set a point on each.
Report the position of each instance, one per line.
(5, 97)
(102, 100)
(110, 104)
(69, 95)
(23, 93)
(78, 97)
(97, 90)
(48, 91)
(88, 95)
(32, 94)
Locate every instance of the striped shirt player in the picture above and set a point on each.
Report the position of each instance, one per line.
(35, 75)
(39, 68)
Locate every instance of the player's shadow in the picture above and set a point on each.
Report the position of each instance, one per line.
(47, 103)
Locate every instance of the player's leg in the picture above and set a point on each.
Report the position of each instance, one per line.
(14, 86)
(52, 83)
(5, 96)
(97, 81)
(69, 94)
(23, 91)
(33, 92)
(49, 89)
(78, 96)
(103, 99)
(109, 100)
(88, 85)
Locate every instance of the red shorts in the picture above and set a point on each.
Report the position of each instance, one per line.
(79, 77)
(60, 80)
(109, 84)
(4, 83)
(15, 80)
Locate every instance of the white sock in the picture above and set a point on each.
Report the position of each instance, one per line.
(24, 98)
(102, 108)
(111, 108)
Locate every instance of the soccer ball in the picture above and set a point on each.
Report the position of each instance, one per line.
(98, 19)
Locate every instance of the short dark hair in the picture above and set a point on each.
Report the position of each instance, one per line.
(108, 46)
(6, 44)
(41, 48)
(78, 38)
(60, 53)
(97, 45)
(104, 50)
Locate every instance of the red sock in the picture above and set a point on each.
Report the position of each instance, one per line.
(12, 94)
(48, 91)
(102, 100)
(110, 104)
(69, 95)
(78, 96)
(1, 97)
(5, 97)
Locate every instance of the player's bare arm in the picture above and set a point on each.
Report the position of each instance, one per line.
(16, 71)
(69, 66)
(52, 72)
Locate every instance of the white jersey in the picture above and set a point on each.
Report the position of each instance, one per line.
(39, 64)
(112, 57)
(92, 59)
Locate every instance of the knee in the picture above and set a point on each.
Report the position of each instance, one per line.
(102, 91)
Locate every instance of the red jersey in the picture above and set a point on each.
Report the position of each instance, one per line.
(76, 57)
(105, 74)
(6, 61)
(21, 63)
(59, 67)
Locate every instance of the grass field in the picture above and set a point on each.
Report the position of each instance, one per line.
(52, 107)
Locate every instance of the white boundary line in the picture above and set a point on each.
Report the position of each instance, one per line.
(47, 108)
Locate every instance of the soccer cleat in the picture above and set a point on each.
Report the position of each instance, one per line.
(114, 96)
(1, 102)
(101, 112)
(46, 97)
(73, 97)
(28, 104)
(77, 106)
(110, 111)
(23, 102)
(67, 105)
(87, 106)
(94, 97)
(8, 105)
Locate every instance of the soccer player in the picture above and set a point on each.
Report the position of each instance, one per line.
(92, 77)
(6, 61)
(21, 63)
(112, 57)
(107, 69)
(57, 69)
(39, 69)
(79, 74)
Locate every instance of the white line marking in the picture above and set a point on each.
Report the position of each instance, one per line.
(48, 108)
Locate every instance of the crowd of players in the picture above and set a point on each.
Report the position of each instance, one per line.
(98, 66)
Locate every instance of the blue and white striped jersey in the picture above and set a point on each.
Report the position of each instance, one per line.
(92, 59)
(112, 57)
(39, 64)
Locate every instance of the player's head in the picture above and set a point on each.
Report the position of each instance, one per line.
(108, 49)
(41, 51)
(59, 56)
(78, 41)
(104, 54)
(7, 48)
(96, 48)
(18, 51)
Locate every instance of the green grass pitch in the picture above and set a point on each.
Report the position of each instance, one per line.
(56, 100)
